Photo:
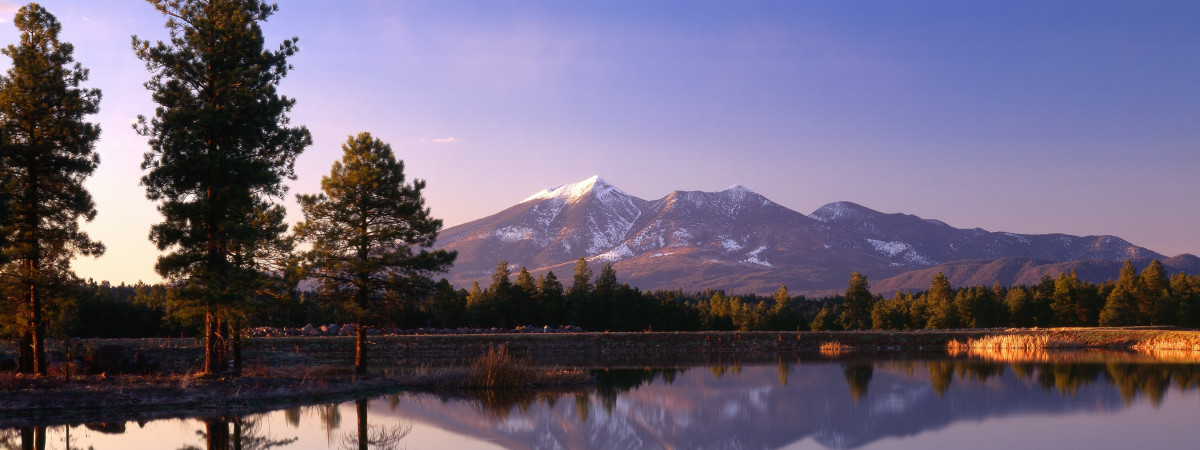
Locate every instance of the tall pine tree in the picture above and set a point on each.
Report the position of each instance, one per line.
(220, 148)
(859, 301)
(370, 233)
(47, 152)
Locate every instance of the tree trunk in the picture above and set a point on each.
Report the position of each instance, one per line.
(237, 433)
(37, 326)
(360, 349)
(217, 433)
(33, 438)
(25, 354)
(222, 345)
(363, 434)
(235, 336)
(210, 343)
(27, 438)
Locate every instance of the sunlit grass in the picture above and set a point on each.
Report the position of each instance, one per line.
(1011, 347)
(834, 348)
(1169, 342)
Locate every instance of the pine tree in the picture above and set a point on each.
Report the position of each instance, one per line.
(857, 312)
(606, 282)
(5, 175)
(550, 291)
(826, 320)
(525, 299)
(579, 292)
(781, 315)
(447, 306)
(1154, 295)
(220, 147)
(581, 283)
(598, 308)
(1186, 289)
(499, 295)
(477, 307)
(370, 233)
(1063, 302)
(1121, 309)
(47, 151)
(781, 299)
(943, 312)
(1020, 307)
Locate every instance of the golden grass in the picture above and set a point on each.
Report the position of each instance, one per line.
(1011, 347)
(834, 348)
(1169, 342)
(1015, 342)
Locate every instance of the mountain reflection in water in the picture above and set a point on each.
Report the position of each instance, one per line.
(835, 404)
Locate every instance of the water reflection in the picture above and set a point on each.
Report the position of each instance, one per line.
(846, 402)
(236, 433)
(374, 437)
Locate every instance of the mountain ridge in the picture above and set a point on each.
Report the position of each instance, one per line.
(738, 240)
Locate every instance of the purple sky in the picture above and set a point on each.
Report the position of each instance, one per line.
(1080, 117)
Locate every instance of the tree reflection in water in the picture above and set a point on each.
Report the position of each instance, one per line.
(858, 377)
(373, 437)
(237, 433)
(25, 438)
(1132, 379)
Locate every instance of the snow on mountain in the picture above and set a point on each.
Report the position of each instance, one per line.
(734, 239)
(577, 191)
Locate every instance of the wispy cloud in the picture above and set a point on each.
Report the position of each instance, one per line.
(445, 140)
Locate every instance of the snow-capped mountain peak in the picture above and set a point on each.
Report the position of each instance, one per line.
(737, 188)
(736, 239)
(577, 191)
(839, 211)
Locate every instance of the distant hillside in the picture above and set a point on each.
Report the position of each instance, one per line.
(1026, 271)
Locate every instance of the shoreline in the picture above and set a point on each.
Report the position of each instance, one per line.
(286, 372)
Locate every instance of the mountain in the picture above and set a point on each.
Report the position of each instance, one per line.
(754, 409)
(740, 241)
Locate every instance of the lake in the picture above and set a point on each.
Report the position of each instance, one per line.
(1081, 400)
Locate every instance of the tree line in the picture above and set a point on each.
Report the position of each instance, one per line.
(599, 302)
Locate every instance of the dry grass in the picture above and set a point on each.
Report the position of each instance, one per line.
(1014, 342)
(1011, 347)
(1175, 342)
(834, 348)
(500, 369)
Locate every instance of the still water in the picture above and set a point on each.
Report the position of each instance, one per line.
(848, 403)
